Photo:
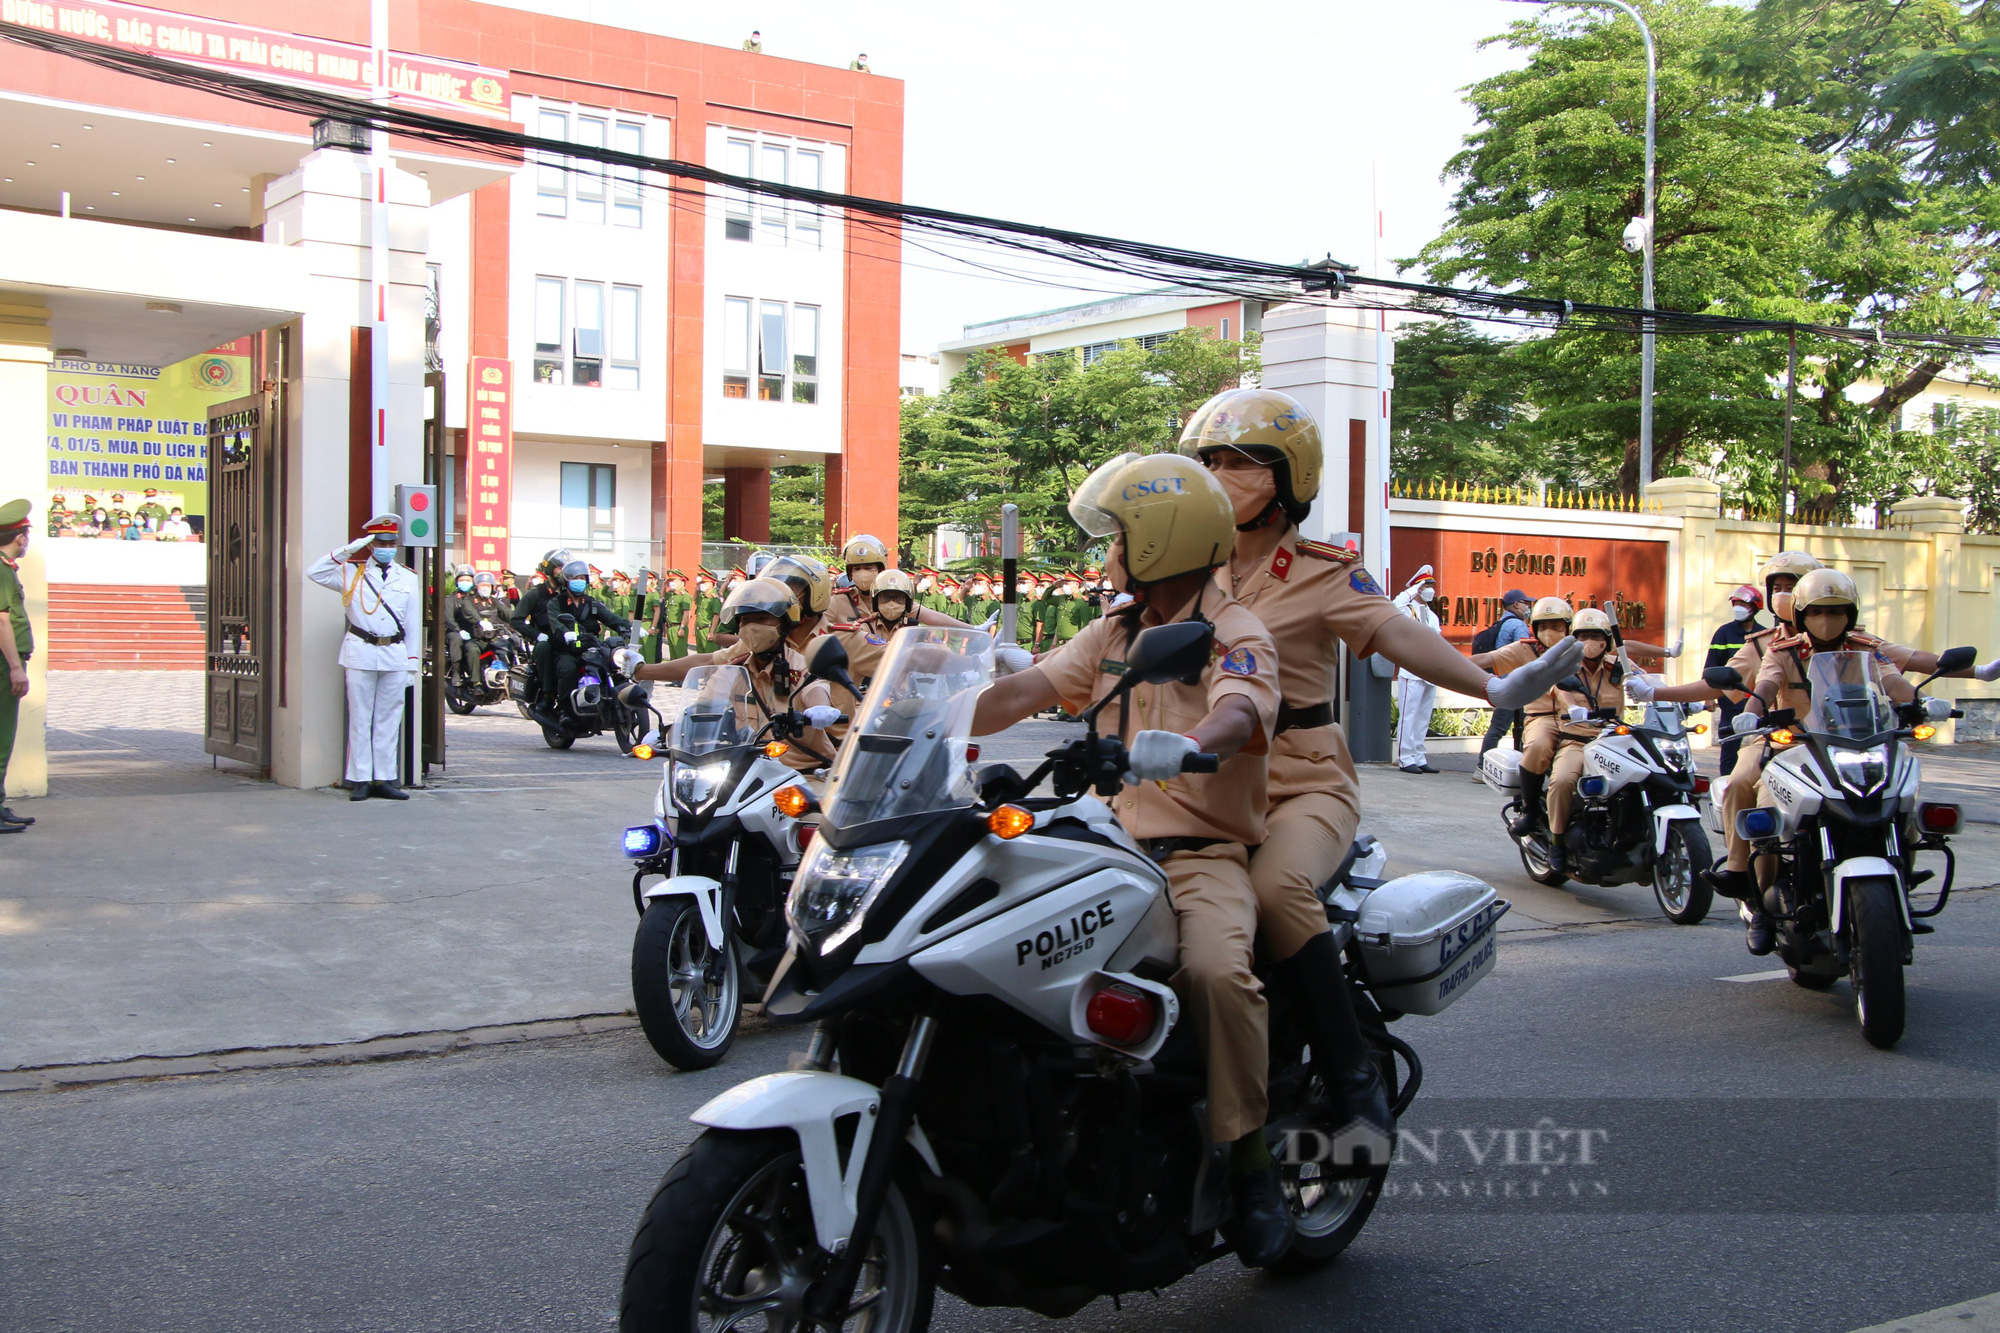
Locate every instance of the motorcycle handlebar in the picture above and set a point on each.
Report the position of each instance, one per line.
(1201, 763)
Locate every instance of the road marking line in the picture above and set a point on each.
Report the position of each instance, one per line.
(1759, 976)
(1979, 1315)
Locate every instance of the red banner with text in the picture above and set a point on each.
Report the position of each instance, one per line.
(1475, 569)
(489, 462)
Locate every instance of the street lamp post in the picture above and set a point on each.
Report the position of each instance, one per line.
(1642, 232)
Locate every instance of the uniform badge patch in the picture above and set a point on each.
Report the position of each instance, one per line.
(875, 639)
(1239, 662)
(1281, 565)
(1363, 582)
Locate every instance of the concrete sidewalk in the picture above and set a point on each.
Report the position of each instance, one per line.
(166, 907)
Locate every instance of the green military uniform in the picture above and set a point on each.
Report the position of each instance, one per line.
(1048, 615)
(706, 607)
(670, 615)
(14, 605)
(1075, 614)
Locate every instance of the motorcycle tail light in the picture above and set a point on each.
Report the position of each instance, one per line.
(1121, 1014)
(1939, 817)
(1700, 786)
(805, 835)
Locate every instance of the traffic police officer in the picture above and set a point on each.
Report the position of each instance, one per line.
(1601, 682)
(1264, 449)
(865, 557)
(380, 651)
(1723, 645)
(1172, 521)
(1548, 625)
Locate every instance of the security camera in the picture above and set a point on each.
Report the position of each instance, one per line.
(1634, 239)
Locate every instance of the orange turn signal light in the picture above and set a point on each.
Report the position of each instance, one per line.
(791, 801)
(1010, 821)
(1624, 731)
(777, 750)
(1783, 736)
(1701, 728)
(1924, 731)
(642, 752)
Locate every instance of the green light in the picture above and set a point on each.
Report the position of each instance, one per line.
(419, 526)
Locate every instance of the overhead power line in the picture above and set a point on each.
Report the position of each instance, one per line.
(1198, 270)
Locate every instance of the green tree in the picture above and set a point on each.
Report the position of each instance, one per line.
(1457, 410)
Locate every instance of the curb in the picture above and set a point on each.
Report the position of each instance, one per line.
(399, 1046)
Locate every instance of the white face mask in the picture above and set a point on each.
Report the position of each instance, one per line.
(1739, 612)
(1426, 594)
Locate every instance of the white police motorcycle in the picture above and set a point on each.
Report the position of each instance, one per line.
(1845, 826)
(712, 869)
(1634, 815)
(1016, 1114)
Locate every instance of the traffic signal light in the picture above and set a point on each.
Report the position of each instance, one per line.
(417, 506)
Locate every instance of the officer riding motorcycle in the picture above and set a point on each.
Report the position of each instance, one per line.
(482, 640)
(581, 668)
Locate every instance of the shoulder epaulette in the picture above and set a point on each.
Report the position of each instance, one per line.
(1328, 551)
(1756, 634)
(843, 627)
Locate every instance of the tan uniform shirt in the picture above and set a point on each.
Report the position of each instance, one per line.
(1749, 659)
(1309, 596)
(1228, 804)
(1599, 691)
(1782, 681)
(774, 701)
(1516, 655)
(865, 640)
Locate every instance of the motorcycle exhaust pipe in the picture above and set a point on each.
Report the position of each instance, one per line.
(586, 699)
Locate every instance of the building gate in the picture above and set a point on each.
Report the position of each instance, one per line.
(240, 643)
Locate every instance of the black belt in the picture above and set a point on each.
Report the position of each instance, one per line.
(1301, 719)
(379, 640)
(1162, 848)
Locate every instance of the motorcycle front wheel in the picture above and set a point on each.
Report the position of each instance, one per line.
(1536, 863)
(1680, 881)
(1876, 958)
(688, 995)
(458, 698)
(727, 1241)
(557, 740)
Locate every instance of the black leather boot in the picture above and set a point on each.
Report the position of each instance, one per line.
(1260, 1223)
(9, 817)
(1558, 854)
(391, 791)
(1340, 1054)
(357, 791)
(1738, 884)
(1759, 934)
(1530, 818)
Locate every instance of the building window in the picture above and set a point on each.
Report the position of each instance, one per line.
(769, 218)
(552, 175)
(775, 343)
(583, 188)
(735, 348)
(601, 349)
(549, 360)
(589, 505)
(1225, 328)
(1092, 351)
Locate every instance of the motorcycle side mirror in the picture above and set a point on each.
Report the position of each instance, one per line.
(1955, 659)
(1724, 678)
(826, 657)
(1169, 652)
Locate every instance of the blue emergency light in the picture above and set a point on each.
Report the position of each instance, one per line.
(644, 840)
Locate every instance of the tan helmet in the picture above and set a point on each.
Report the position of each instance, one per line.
(862, 549)
(896, 581)
(1796, 563)
(1268, 426)
(1825, 588)
(771, 596)
(1551, 608)
(1175, 517)
(817, 578)
(1590, 618)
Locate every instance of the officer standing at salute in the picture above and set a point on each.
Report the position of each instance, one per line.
(1264, 449)
(1175, 520)
(379, 651)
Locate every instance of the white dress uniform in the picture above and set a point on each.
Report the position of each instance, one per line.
(1415, 696)
(378, 598)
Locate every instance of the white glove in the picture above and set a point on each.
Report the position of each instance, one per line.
(541, 638)
(1157, 755)
(1641, 687)
(1680, 641)
(1937, 710)
(822, 716)
(464, 637)
(570, 636)
(485, 627)
(1007, 659)
(357, 546)
(627, 660)
(1578, 713)
(1987, 671)
(1523, 685)
(1744, 721)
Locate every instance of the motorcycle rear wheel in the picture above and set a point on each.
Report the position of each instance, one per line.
(557, 740)
(1537, 866)
(458, 698)
(727, 1241)
(689, 1020)
(1876, 958)
(1680, 882)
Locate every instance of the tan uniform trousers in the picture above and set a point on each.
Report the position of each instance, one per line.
(1538, 742)
(1305, 837)
(1210, 891)
(1745, 791)
(1563, 773)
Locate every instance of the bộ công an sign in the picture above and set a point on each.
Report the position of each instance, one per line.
(1475, 569)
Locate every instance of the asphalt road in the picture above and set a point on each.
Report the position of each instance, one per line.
(497, 1188)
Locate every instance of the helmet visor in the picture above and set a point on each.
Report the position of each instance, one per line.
(1089, 507)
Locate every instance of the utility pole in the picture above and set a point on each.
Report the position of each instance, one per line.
(1791, 389)
(378, 266)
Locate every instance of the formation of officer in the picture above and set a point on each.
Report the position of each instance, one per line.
(381, 651)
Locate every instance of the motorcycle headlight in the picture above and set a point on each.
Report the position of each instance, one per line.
(1861, 771)
(833, 890)
(695, 785)
(1675, 754)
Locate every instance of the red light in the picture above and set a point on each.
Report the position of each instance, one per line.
(419, 501)
(805, 835)
(1938, 817)
(1120, 1014)
(1700, 786)
(972, 754)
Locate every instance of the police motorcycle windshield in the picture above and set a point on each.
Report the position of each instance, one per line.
(906, 752)
(721, 715)
(1848, 701)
